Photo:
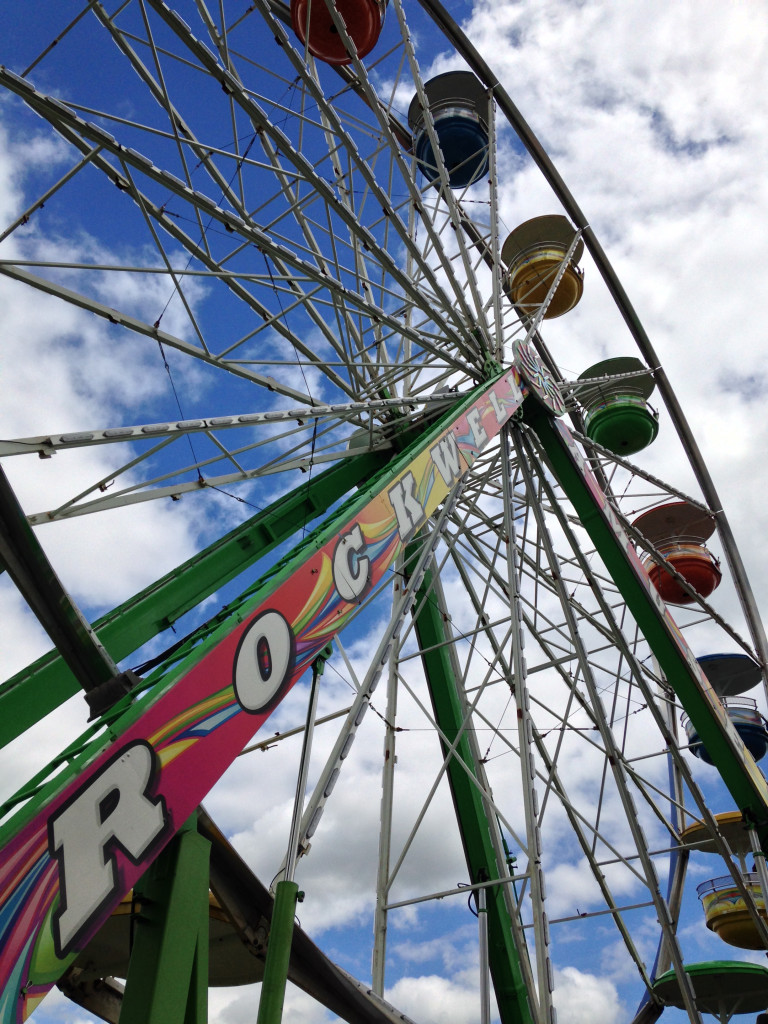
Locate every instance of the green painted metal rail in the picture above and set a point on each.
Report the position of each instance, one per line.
(744, 780)
(471, 813)
(43, 686)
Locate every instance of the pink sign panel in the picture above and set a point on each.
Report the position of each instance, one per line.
(64, 871)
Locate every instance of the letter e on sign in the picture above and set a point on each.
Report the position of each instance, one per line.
(475, 420)
(113, 811)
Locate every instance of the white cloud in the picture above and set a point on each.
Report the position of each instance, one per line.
(583, 997)
(433, 999)
(226, 1007)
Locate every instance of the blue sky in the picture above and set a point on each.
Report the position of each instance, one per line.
(655, 115)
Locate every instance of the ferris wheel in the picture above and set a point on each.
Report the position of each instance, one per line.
(457, 604)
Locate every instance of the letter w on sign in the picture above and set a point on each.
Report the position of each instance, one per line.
(445, 455)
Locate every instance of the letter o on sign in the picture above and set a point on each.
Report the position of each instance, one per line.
(264, 661)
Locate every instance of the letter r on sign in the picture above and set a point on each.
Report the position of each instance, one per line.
(112, 811)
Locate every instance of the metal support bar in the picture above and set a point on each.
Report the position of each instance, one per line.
(506, 960)
(278, 954)
(485, 988)
(758, 852)
(460, 890)
(29, 568)
(50, 444)
(678, 862)
(535, 321)
(378, 960)
(287, 891)
(168, 975)
(519, 687)
(306, 751)
(278, 737)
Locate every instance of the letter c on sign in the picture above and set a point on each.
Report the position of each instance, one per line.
(351, 568)
(264, 661)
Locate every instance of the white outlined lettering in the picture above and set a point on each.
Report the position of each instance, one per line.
(264, 660)
(112, 811)
(475, 420)
(445, 455)
(351, 569)
(410, 514)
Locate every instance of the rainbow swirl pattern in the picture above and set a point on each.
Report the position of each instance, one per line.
(193, 722)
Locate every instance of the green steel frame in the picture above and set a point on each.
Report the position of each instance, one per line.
(168, 975)
(169, 966)
(472, 814)
(735, 764)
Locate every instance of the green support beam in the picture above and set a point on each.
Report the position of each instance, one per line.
(178, 662)
(47, 683)
(744, 780)
(278, 954)
(471, 813)
(194, 686)
(168, 974)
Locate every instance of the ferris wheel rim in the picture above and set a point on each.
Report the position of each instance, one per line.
(297, 264)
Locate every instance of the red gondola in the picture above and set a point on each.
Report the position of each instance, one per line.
(313, 24)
